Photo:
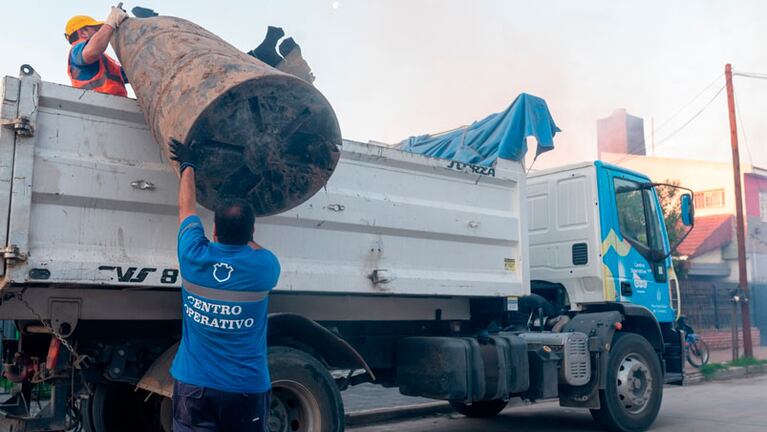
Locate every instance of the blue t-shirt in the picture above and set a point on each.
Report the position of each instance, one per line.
(82, 71)
(225, 300)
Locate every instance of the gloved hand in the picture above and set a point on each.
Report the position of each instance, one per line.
(183, 154)
(116, 17)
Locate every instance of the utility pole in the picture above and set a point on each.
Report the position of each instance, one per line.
(741, 226)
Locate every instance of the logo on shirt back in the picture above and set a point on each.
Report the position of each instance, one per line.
(222, 272)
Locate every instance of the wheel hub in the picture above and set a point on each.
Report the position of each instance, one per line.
(293, 408)
(635, 384)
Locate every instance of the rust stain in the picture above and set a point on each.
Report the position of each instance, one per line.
(260, 134)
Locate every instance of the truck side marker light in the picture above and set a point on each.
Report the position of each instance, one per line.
(618, 325)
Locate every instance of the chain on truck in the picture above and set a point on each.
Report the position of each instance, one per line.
(446, 280)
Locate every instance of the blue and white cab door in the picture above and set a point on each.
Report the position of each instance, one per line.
(635, 242)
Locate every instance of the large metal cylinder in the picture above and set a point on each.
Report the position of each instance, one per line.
(259, 134)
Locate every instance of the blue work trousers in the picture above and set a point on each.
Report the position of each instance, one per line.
(201, 409)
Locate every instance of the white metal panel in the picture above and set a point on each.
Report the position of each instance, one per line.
(563, 211)
(427, 226)
(23, 161)
(9, 98)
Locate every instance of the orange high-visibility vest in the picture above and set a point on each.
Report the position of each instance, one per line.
(107, 80)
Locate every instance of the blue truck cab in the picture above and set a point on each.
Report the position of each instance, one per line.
(599, 245)
(597, 235)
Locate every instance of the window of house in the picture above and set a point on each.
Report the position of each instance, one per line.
(763, 206)
(709, 199)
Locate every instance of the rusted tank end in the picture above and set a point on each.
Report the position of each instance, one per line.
(259, 134)
(264, 141)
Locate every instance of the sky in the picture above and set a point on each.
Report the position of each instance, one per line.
(396, 68)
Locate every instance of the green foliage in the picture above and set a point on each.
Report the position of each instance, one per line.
(747, 361)
(709, 370)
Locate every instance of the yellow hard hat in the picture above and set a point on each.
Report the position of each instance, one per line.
(77, 22)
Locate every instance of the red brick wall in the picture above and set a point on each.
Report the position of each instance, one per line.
(722, 339)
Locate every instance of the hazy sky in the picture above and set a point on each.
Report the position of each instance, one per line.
(395, 68)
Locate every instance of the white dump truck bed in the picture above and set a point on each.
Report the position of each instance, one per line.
(89, 202)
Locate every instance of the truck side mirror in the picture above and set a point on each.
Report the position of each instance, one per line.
(688, 210)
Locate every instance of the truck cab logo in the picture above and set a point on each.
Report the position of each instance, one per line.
(127, 275)
(222, 272)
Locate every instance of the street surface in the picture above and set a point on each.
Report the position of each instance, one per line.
(731, 406)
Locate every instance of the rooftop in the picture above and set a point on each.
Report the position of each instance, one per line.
(709, 233)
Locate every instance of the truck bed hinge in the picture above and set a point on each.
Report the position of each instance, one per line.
(23, 126)
(11, 252)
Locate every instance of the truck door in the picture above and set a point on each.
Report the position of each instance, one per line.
(636, 243)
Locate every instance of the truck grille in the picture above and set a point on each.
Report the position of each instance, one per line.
(577, 363)
(576, 359)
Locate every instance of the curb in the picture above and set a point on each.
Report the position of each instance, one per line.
(380, 415)
(694, 378)
(727, 374)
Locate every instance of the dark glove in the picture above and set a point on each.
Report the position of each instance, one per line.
(183, 154)
(142, 12)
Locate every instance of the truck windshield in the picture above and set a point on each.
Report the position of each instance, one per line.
(638, 216)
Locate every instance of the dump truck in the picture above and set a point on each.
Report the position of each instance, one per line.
(449, 281)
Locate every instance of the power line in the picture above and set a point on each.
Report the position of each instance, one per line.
(742, 127)
(694, 98)
(680, 110)
(755, 75)
(679, 129)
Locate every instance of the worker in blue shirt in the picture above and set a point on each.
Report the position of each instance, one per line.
(221, 371)
(88, 65)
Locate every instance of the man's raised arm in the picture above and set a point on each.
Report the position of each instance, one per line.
(98, 43)
(187, 193)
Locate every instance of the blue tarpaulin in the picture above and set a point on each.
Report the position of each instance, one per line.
(501, 135)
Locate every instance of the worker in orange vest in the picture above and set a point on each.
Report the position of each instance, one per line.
(88, 66)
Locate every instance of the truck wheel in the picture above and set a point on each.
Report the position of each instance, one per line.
(305, 397)
(480, 409)
(119, 408)
(631, 400)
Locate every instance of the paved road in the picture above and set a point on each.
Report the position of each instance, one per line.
(370, 396)
(731, 406)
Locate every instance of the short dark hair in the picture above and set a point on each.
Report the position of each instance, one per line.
(235, 222)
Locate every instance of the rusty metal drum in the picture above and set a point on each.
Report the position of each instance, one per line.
(259, 134)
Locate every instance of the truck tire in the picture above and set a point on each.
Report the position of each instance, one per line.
(116, 407)
(305, 398)
(632, 397)
(480, 409)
